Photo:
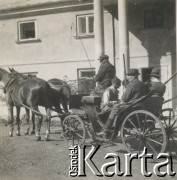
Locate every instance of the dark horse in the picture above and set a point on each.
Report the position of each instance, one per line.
(32, 92)
(59, 94)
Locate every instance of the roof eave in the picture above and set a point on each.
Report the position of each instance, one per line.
(45, 8)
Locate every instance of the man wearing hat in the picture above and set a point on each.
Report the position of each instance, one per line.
(105, 74)
(134, 90)
(154, 103)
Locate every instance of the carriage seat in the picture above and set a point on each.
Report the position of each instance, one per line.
(91, 100)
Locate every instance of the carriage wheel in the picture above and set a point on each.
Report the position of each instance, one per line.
(143, 129)
(170, 124)
(74, 130)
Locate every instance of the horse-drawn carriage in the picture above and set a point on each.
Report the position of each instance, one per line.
(138, 127)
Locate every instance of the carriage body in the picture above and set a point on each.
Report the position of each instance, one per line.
(139, 127)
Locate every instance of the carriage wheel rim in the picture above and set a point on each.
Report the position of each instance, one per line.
(171, 129)
(141, 135)
(74, 131)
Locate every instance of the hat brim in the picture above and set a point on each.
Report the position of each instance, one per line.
(102, 59)
(154, 75)
(132, 74)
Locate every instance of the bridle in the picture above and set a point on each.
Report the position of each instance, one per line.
(7, 85)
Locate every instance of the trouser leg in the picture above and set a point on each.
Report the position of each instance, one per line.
(111, 117)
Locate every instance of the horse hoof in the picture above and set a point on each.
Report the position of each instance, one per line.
(47, 138)
(38, 138)
(32, 132)
(10, 134)
(27, 133)
(18, 134)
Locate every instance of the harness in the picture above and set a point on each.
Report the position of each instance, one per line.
(8, 84)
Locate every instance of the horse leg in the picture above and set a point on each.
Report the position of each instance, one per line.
(11, 120)
(39, 122)
(33, 122)
(48, 124)
(65, 105)
(27, 118)
(18, 120)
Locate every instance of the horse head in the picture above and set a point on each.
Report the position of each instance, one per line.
(16, 74)
(4, 75)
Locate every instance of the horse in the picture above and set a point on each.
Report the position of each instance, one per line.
(60, 91)
(32, 92)
(59, 94)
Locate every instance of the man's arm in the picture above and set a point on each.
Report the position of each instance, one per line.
(127, 94)
(100, 73)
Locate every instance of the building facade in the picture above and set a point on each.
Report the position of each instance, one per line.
(63, 39)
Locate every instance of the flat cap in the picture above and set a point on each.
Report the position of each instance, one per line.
(103, 57)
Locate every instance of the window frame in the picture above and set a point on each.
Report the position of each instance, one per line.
(87, 34)
(80, 70)
(35, 39)
(86, 79)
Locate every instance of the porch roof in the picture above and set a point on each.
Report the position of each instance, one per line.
(17, 4)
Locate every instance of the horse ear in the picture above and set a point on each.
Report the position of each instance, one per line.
(10, 69)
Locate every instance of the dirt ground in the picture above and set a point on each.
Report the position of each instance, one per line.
(24, 158)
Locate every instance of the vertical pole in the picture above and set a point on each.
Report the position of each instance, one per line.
(99, 31)
(175, 104)
(123, 37)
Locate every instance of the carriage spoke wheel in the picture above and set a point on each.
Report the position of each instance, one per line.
(170, 124)
(142, 129)
(74, 130)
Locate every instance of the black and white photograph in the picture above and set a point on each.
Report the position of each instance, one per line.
(88, 89)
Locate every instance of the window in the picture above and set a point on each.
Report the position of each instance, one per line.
(154, 18)
(27, 31)
(86, 83)
(85, 25)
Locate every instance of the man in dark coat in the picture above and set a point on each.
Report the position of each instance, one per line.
(134, 90)
(105, 74)
(154, 103)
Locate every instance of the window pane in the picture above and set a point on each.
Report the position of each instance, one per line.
(27, 30)
(88, 74)
(82, 25)
(91, 24)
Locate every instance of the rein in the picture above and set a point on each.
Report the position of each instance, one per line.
(13, 96)
(8, 84)
(34, 111)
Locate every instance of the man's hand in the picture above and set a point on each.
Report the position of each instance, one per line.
(111, 103)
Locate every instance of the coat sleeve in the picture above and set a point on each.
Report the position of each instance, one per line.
(127, 94)
(100, 73)
(164, 90)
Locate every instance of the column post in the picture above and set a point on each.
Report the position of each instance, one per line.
(123, 37)
(99, 31)
(175, 80)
